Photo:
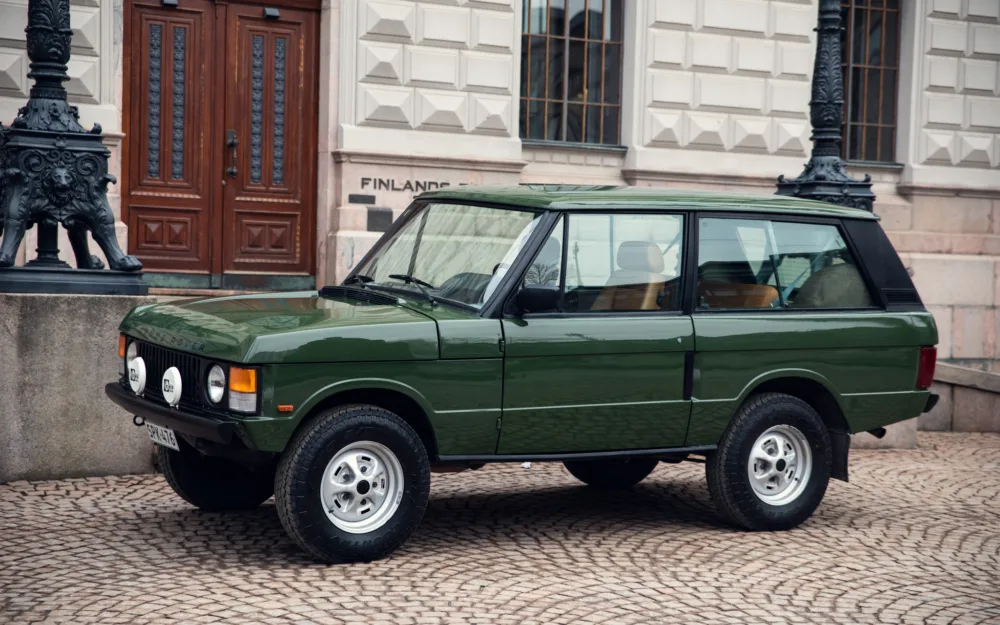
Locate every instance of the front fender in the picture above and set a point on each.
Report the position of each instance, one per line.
(360, 384)
(306, 388)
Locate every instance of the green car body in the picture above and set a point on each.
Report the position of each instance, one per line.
(498, 384)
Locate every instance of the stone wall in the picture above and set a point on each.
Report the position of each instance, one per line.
(944, 215)
(56, 355)
(970, 401)
(718, 86)
(954, 121)
(426, 97)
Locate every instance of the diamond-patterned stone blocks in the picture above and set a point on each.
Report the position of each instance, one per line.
(452, 62)
(959, 121)
(728, 75)
(85, 66)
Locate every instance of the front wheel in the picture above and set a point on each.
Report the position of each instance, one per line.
(353, 484)
(772, 465)
(611, 473)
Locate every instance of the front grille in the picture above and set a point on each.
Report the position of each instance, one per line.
(159, 359)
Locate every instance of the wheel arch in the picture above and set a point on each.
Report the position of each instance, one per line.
(405, 401)
(815, 390)
(809, 386)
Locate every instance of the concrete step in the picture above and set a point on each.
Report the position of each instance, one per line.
(970, 399)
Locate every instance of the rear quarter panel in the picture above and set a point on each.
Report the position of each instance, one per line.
(867, 360)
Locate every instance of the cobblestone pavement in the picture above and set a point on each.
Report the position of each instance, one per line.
(914, 538)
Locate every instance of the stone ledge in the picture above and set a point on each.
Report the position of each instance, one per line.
(908, 188)
(423, 161)
(945, 243)
(964, 376)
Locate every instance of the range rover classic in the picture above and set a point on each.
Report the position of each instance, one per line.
(606, 328)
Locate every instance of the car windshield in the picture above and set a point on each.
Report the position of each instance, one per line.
(451, 252)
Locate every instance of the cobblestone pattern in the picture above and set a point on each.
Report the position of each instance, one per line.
(914, 538)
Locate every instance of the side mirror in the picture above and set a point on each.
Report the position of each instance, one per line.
(537, 299)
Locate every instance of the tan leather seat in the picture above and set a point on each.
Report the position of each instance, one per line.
(638, 281)
(735, 295)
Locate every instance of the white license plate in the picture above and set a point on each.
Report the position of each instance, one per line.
(162, 436)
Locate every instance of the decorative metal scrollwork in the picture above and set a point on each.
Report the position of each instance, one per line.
(256, 107)
(278, 173)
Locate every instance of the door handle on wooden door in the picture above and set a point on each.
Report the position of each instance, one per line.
(232, 142)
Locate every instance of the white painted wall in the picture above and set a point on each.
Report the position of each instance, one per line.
(952, 58)
(430, 78)
(91, 68)
(719, 86)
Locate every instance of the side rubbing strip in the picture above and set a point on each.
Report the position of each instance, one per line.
(688, 374)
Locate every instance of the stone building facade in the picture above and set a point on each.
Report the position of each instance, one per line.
(408, 95)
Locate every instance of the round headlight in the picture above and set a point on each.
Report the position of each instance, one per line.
(131, 352)
(216, 384)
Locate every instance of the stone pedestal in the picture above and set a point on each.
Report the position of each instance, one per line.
(56, 354)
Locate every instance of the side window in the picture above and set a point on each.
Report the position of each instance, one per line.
(623, 262)
(815, 268)
(747, 264)
(735, 262)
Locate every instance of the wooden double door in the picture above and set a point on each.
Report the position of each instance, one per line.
(220, 150)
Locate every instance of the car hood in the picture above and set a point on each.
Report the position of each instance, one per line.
(287, 328)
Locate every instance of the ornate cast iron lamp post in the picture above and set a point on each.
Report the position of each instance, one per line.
(53, 172)
(825, 176)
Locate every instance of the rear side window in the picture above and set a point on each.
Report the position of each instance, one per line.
(759, 263)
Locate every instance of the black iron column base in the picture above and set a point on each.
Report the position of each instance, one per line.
(825, 179)
(71, 281)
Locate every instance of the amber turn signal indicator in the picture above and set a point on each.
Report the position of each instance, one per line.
(121, 345)
(242, 380)
(285, 408)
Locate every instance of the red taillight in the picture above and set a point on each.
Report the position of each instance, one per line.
(925, 374)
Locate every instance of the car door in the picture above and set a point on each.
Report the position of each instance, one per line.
(606, 369)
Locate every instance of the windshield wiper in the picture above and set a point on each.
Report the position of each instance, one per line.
(420, 284)
(359, 279)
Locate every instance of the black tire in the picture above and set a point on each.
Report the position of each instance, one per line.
(611, 473)
(300, 473)
(215, 484)
(727, 468)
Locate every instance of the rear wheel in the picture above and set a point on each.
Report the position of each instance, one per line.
(215, 484)
(611, 473)
(353, 484)
(772, 465)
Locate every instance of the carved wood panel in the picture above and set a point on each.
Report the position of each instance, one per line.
(271, 107)
(169, 194)
(193, 73)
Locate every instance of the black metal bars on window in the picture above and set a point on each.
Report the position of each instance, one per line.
(870, 41)
(571, 71)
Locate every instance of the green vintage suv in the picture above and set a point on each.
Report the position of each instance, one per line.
(606, 328)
